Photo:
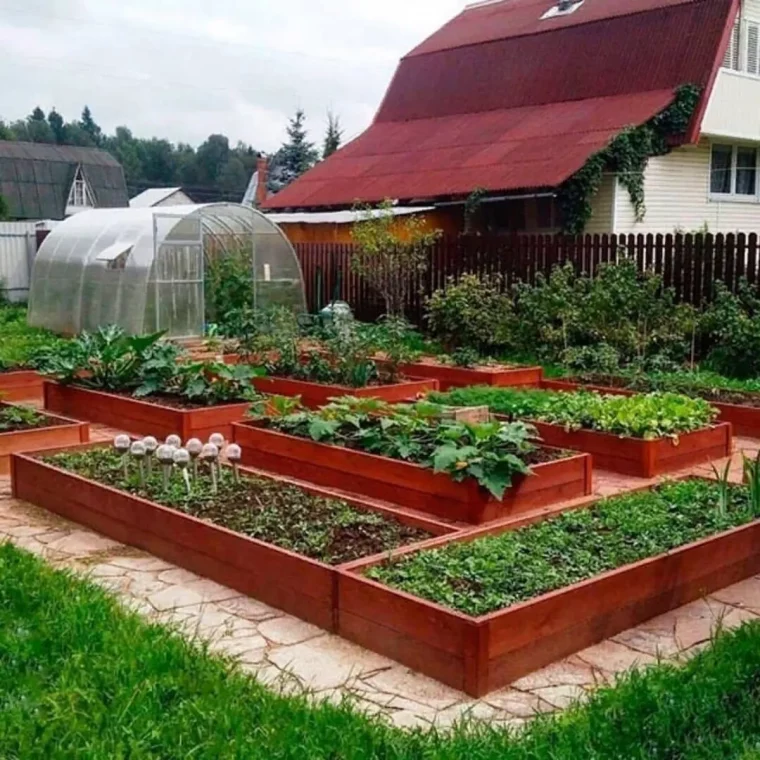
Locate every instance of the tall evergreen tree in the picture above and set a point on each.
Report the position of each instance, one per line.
(333, 136)
(295, 157)
(88, 125)
(55, 120)
(37, 128)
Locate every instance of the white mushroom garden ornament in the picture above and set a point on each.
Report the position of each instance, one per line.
(165, 455)
(234, 454)
(122, 443)
(139, 452)
(210, 454)
(194, 447)
(151, 444)
(182, 462)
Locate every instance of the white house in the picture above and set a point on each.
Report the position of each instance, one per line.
(512, 98)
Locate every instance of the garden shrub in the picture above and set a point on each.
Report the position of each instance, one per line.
(731, 325)
(228, 289)
(621, 316)
(472, 312)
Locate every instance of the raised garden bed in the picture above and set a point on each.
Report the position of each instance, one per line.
(21, 385)
(289, 581)
(139, 416)
(52, 431)
(641, 458)
(408, 484)
(450, 376)
(315, 395)
(745, 418)
(480, 653)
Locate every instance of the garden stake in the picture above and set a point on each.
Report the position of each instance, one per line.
(217, 439)
(234, 454)
(139, 452)
(194, 448)
(182, 461)
(210, 454)
(122, 443)
(165, 456)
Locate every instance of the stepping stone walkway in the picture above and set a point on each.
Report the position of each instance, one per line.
(291, 655)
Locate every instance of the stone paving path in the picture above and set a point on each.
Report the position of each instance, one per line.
(289, 654)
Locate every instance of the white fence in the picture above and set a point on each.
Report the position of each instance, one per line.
(18, 246)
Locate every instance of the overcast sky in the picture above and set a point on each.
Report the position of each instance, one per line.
(182, 69)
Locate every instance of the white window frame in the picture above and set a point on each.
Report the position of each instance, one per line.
(555, 11)
(733, 196)
(79, 195)
(737, 57)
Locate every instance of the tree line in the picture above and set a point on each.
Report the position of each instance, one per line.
(214, 171)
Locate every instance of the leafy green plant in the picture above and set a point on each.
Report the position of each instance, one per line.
(491, 573)
(466, 357)
(20, 344)
(390, 253)
(650, 416)
(751, 469)
(108, 359)
(724, 487)
(228, 284)
(732, 325)
(394, 339)
(212, 383)
(20, 418)
(492, 454)
(471, 312)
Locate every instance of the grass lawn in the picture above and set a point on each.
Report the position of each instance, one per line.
(81, 678)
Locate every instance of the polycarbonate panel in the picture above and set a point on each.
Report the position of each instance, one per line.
(160, 283)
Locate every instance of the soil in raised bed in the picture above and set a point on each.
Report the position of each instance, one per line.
(323, 529)
(17, 419)
(719, 395)
(495, 572)
(167, 399)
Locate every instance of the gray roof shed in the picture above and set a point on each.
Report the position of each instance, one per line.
(35, 178)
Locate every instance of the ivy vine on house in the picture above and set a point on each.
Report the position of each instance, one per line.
(627, 156)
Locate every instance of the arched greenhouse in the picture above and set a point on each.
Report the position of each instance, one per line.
(144, 269)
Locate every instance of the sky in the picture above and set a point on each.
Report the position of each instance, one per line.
(184, 69)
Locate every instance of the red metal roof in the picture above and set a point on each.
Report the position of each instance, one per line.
(513, 18)
(520, 110)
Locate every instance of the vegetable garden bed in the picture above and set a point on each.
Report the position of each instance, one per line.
(314, 395)
(47, 431)
(139, 416)
(484, 651)
(21, 385)
(290, 581)
(641, 458)
(643, 435)
(745, 418)
(408, 484)
(450, 376)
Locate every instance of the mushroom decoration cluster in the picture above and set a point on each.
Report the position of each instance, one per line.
(172, 455)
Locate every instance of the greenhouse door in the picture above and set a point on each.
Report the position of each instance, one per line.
(179, 304)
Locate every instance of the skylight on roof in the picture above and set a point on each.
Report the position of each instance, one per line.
(563, 8)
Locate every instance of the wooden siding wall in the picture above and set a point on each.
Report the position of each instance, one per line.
(688, 263)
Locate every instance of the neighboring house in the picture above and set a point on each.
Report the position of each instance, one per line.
(512, 97)
(161, 196)
(51, 182)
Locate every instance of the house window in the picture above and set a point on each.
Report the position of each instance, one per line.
(79, 195)
(743, 51)
(733, 171)
(563, 8)
(731, 59)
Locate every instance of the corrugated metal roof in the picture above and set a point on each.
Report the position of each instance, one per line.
(536, 146)
(513, 18)
(523, 108)
(340, 217)
(152, 196)
(35, 178)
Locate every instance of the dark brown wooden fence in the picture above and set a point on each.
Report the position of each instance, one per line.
(688, 263)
